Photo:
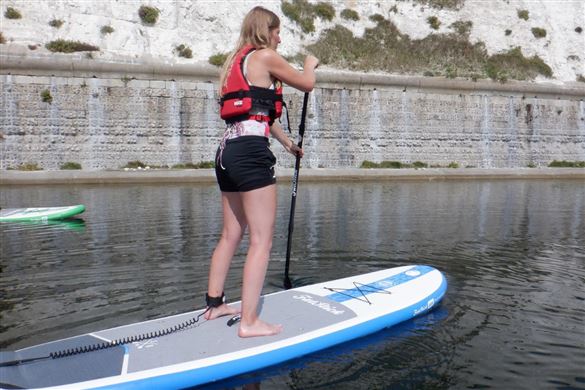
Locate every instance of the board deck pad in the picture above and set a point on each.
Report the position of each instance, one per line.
(40, 213)
(314, 317)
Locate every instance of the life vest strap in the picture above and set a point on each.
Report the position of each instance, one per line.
(259, 94)
(260, 118)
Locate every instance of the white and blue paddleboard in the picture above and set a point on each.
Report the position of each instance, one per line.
(177, 352)
(40, 214)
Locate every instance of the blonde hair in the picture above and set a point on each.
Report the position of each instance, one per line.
(255, 31)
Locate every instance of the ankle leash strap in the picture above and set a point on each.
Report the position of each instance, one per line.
(214, 301)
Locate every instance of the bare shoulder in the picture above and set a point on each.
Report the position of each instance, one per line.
(269, 56)
(279, 68)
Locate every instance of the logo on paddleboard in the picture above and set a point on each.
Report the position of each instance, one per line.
(321, 305)
(430, 303)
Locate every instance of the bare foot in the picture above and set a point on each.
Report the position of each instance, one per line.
(259, 328)
(220, 311)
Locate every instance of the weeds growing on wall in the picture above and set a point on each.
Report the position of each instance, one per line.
(393, 164)
(201, 165)
(106, 30)
(140, 165)
(462, 28)
(218, 59)
(434, 22)
(46, 96)
(523, 14)
(135, 165)
(184, 51)
(513, 65)
(57, 23)
(148, 15)
(400, 165)
(12, 13)
(385, 48)
(29, 167)
(538, 32)
(567, 164)
(376, 18)
(304, 13)
(324, 11)
(126, 79)
(65, 46)
(349, 14)
(440, 4)
(70, 166)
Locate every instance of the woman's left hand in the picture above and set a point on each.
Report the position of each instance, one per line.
(294, 149)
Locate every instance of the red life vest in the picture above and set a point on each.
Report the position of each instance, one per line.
(238, 97)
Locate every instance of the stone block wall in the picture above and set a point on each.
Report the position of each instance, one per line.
(483, 129)
(105, 121)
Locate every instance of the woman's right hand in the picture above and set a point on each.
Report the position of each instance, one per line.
(311, 62)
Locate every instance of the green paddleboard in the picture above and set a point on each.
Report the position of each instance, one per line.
(34, 214)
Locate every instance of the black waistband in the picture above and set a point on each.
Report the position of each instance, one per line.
(248, 138)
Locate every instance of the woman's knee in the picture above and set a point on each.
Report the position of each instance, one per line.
(232, 237)
(261, 242)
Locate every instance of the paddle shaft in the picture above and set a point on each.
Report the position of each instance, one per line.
(293, 202)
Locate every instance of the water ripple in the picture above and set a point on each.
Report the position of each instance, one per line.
(512, 251)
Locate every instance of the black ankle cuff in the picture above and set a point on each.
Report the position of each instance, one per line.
(214, 301)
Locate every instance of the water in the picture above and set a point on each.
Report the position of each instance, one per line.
(513, 253)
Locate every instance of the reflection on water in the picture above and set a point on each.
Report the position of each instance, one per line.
(513, 253)
(77, 224)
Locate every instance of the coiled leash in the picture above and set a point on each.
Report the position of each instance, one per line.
(212, 302)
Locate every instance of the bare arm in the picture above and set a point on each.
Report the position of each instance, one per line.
(277, 67)
(289, 145)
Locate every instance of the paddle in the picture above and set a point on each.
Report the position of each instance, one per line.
(295, 183)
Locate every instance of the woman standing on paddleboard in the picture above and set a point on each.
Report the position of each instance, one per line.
(251, 101)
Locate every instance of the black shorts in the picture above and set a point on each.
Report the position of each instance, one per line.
(246, 164)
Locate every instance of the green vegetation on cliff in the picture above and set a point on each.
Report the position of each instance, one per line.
(65, 46)
(385, 48)
(304, 13)
(440, 4)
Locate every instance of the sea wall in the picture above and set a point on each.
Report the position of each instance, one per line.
(103, 115)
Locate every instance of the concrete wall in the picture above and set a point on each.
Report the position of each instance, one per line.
(103, 115)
